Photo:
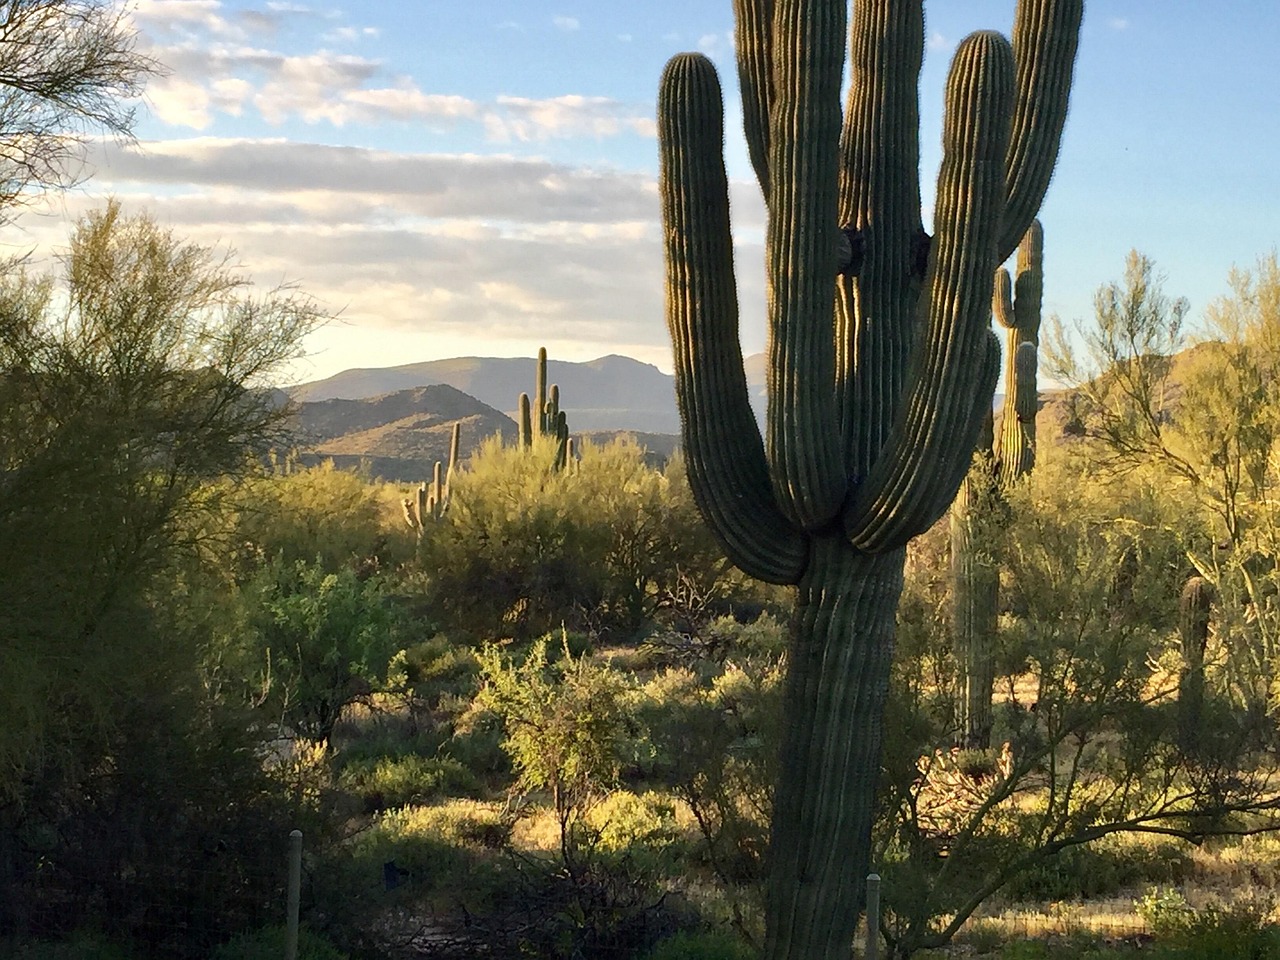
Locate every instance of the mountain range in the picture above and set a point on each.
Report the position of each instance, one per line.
(397, 421)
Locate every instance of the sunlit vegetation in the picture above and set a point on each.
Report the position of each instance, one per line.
(544, 720)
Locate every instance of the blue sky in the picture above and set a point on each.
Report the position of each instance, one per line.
(478, 178)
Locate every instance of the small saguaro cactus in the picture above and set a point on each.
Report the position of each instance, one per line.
(1194, 609)
(540, 390)
(431, 500)
(874, 407)
(979, 510)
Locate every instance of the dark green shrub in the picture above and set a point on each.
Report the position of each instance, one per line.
(1100, 870)
(268, 944)
(702, 945)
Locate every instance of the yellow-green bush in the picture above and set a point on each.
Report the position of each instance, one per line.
(599, 547)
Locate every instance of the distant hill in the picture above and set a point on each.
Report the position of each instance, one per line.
(399, 435)
(611, 393)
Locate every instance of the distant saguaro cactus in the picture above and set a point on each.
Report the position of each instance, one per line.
(1195, 606)
(874, 408)
(979, 510)
(552, 421)
(431, 500)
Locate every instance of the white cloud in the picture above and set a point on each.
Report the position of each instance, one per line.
(566, 23)
(213, 71)
(348, 34)
(471, 250)
(938, 42)
(180, 102)
(526, 119)
(1118, 23)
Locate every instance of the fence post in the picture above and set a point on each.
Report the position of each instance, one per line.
(873, 916)
(295, 895)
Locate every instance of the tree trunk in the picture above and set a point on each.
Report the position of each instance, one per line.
(824, 803)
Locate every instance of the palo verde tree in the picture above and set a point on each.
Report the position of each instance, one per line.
(875, 406)
(128, 385)
(1206, 419)
(68, 68)
(132, 388)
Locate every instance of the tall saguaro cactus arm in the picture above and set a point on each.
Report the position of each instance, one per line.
(1045, 36)
(955, 364)
(804, 442)
(727, 466)
(753, 23)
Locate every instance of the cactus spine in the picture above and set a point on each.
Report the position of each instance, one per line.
(874, 408)
(979, 510)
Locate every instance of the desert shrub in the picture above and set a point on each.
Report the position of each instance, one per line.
(386, 782)
(712, 735)
(701, 945)
(598, 548)
(564, 724)
(176, 842)
(310, 642)
(1238, 931)
(1101, 869)
(268, 943)
(440, 860)
(1163, 909)
(335, 518)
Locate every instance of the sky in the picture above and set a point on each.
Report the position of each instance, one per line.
(478, 177)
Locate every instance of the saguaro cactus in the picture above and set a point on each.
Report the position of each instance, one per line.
(431, 500)
(1019, 314)
(979, 510)
(552, 421)
(874, 407)
(1194, 608)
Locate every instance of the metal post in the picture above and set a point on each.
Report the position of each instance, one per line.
(295, 895)
(873, 916)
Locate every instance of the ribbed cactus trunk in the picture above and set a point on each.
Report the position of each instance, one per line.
(980, 511)
(540, 390)
(875, 406)
(837, 682)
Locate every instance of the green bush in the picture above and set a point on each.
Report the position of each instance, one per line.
(1164, 910)
(269, 942)
(337, 517)
(702, 945)
(598, 549)
(312, 641)
(80, 947)
(1240, 931)
(387, 782)
(1100, 869)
